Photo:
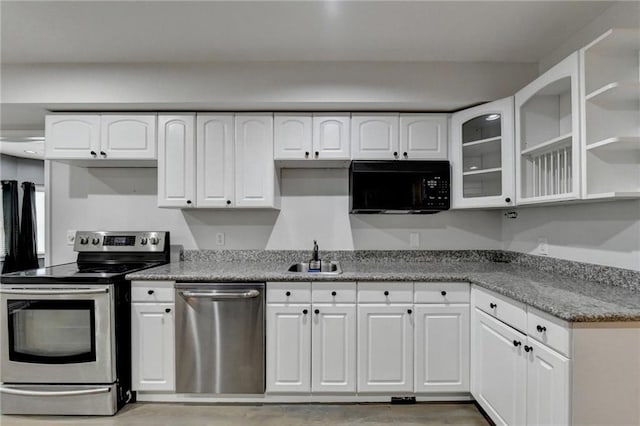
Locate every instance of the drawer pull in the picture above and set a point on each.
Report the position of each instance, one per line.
(167, 310)
(493, 305)
(304, 311)
(516, 343)
(288, 294)
(541, 329)
(386, 293)
(409, 311)
(317, 311)
(150, 292)
(528, 348)
(444, 293)
(333, 293)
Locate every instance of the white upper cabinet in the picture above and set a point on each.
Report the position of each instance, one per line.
(482, 156)
(176, 160)
(292, 136)
(100, 137)
(375, 136)
(128, 136)
(312, 136)
(74, 136)
(610, 96)
(255, 170)
(215, 181)
(423, 136)
(548, 136)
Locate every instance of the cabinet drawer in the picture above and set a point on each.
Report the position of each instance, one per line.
(333, 292)
(385, 292)
(294, 292)
(507, 310)
(549, 330)
(152, 291)
(441, 293)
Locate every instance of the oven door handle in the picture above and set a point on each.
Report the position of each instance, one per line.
(224, 294)
(36, 292)
(12, 391)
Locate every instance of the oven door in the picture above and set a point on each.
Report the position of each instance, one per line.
(60, 333)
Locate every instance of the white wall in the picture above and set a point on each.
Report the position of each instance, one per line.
(314, 206)
(21, 169)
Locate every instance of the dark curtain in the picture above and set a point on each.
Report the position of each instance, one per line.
(27, 240)
(11, 225)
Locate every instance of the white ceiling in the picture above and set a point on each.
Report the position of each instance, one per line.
(169, 31)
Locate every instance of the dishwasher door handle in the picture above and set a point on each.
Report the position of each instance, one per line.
(222, 294)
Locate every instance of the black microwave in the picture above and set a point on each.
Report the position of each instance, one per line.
(399, 186)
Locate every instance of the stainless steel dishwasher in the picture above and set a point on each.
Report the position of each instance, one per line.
(220, 338)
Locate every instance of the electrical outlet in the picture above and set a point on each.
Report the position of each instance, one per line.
(220, 238)
(543, 246)
(414, 240)
(71, 237)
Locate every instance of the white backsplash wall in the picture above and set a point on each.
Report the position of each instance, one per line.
(314, 205)
(601, 233)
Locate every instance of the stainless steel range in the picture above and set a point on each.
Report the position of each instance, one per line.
(66, 329)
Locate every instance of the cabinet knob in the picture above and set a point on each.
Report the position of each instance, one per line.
(386, 293)
(288, 294)
(317, 153)
(167, 310)
(493, 305)
(304, 311)
(188, 201)
(104, 154)
(528, 348)
(306, 154)
(93, 154)
(150, 292)
(516, 343)
(333, 293)
(317, 311)
(444, 293)
(541, 329)
(395, 154)
(228, 202)
(409, 311)
(508, 200)
(406, 154)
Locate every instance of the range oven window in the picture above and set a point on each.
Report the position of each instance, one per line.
(52, 331)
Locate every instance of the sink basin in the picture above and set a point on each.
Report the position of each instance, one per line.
(327, 268)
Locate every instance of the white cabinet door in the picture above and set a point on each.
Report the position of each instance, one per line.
(548, 400)
(288, 348)
(374, 136)
(176, 161)
(215, 160)
(292, 136)
(128, 136)
(483, 170)
(331, 136)
(423, 136)
(72, 136)
(499, 370)
(442, 348)
(385, 348)
(255, 169)
(333, 357)
(152, 347)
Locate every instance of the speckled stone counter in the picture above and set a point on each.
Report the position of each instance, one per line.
(568, 298)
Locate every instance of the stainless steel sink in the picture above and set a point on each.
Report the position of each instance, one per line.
(327, 268)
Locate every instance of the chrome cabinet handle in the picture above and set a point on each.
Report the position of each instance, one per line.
(11, 391)
(224, 294)
(48, 292)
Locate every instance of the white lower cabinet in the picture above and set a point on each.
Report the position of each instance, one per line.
(385, 348)
(442, 348)
(333, 348)
(288, 348)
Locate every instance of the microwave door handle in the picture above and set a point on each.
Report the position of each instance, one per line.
(11, 391)
(48, 292)
(218, 295)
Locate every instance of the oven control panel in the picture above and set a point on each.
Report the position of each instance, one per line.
(101, 241)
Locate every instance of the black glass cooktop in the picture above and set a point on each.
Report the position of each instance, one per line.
(74, 272)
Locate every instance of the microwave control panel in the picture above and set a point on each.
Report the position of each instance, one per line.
(435, 192)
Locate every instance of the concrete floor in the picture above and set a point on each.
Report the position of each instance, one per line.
(152, 414)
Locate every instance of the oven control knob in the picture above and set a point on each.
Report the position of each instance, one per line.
(84, 240)
(154, 241)
(143, 241)
(95, 241)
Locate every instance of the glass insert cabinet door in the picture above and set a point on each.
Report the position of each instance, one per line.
(482, 156)
(51, 331)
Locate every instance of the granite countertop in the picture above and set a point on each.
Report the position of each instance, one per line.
(562, 296)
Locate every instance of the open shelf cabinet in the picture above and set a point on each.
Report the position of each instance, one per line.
(610, 100)
(482, 156)
(547, 135)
